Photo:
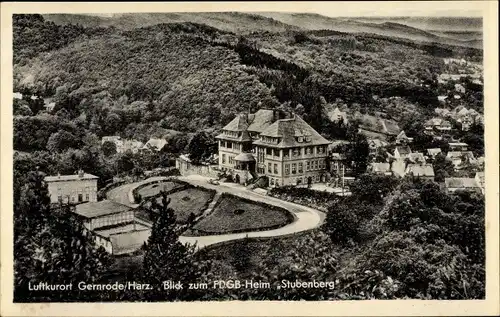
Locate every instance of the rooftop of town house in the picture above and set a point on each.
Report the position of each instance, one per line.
(100, 208)
(156, 143)
(292, 132)
(376, 143)
(460, 154)
(425, 170)
(403, 150)
(457, 144)
(461, 182)
(380, 167)
(417, 156)
(433, 151)
(74, 177)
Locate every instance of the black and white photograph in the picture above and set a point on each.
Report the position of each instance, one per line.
(278, 155)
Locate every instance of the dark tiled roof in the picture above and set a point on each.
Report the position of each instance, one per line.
(100, 208)
(457, 182)
(260, 120)
(289, 129)
(238, 124)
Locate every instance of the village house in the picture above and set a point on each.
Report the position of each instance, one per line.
(281, 146)
(78, 188)
(458, 158)
(401, 138)
(336, 115)
(454, 184)
(380, 168)
(458, 146)
(154, 144)
(437, 124)
(417, 158)
(402, 152)
(433, 152)
(479, 177)
(423, 171)
(123, 146)
(375, 144)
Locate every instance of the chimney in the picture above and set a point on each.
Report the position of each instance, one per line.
(58, 175)
(81, 173)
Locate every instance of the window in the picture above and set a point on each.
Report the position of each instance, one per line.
(308, 165)
(229, 145)
(80, 198)
(275, 168)
(316, 164)
(223, 158)
(301, 168)
(269, 168)
(317, 178)
(296, 152)
(269, 151)
(87, 198)
(300, 139)
(321, 149)
(231, 160)
(294, 168)
(287, 169)
(73, 199)
(309, 151)
(272, 181)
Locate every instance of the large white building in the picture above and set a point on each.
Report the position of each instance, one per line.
(78, 188)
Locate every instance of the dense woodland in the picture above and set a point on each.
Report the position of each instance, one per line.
(183, 82)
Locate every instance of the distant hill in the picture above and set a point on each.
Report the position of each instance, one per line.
(395, 27)
(235, 22)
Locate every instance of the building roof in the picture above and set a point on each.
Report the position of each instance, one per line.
(238, 124)
(100, 208)
(289, 130)
(460, 182)
(457, 144)
(260, 120)
(480, 178)
(380, 167)
(156, 143)
(417, 156)
(376, 143)
(403, 150)
(425, 170)
(433, 151)
(460, 154)
(244, 157)
(110, 138)
(66, 178)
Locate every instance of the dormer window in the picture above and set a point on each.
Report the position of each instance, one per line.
(308, 139)
(300, 139)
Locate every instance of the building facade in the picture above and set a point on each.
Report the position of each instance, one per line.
(78, 188)
(282, 147)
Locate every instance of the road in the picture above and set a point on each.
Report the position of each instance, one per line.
(306, 218)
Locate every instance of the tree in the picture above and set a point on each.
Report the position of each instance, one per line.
(201, 147)
(357, 153)
(373, 188)
(442, 167)
(167, 259)
(51, 246)
(109, 148)
(342, 224)
(61, 141)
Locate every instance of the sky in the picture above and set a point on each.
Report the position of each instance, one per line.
(328, 8)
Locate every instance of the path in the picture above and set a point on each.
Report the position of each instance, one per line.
(306, 218)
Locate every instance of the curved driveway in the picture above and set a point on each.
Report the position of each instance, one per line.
(306, 218)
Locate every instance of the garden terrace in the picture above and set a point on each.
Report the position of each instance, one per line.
(190, 200)
(233, 214)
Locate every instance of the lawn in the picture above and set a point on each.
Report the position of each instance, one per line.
(154, 189)
(185, 202)
(233, 214)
